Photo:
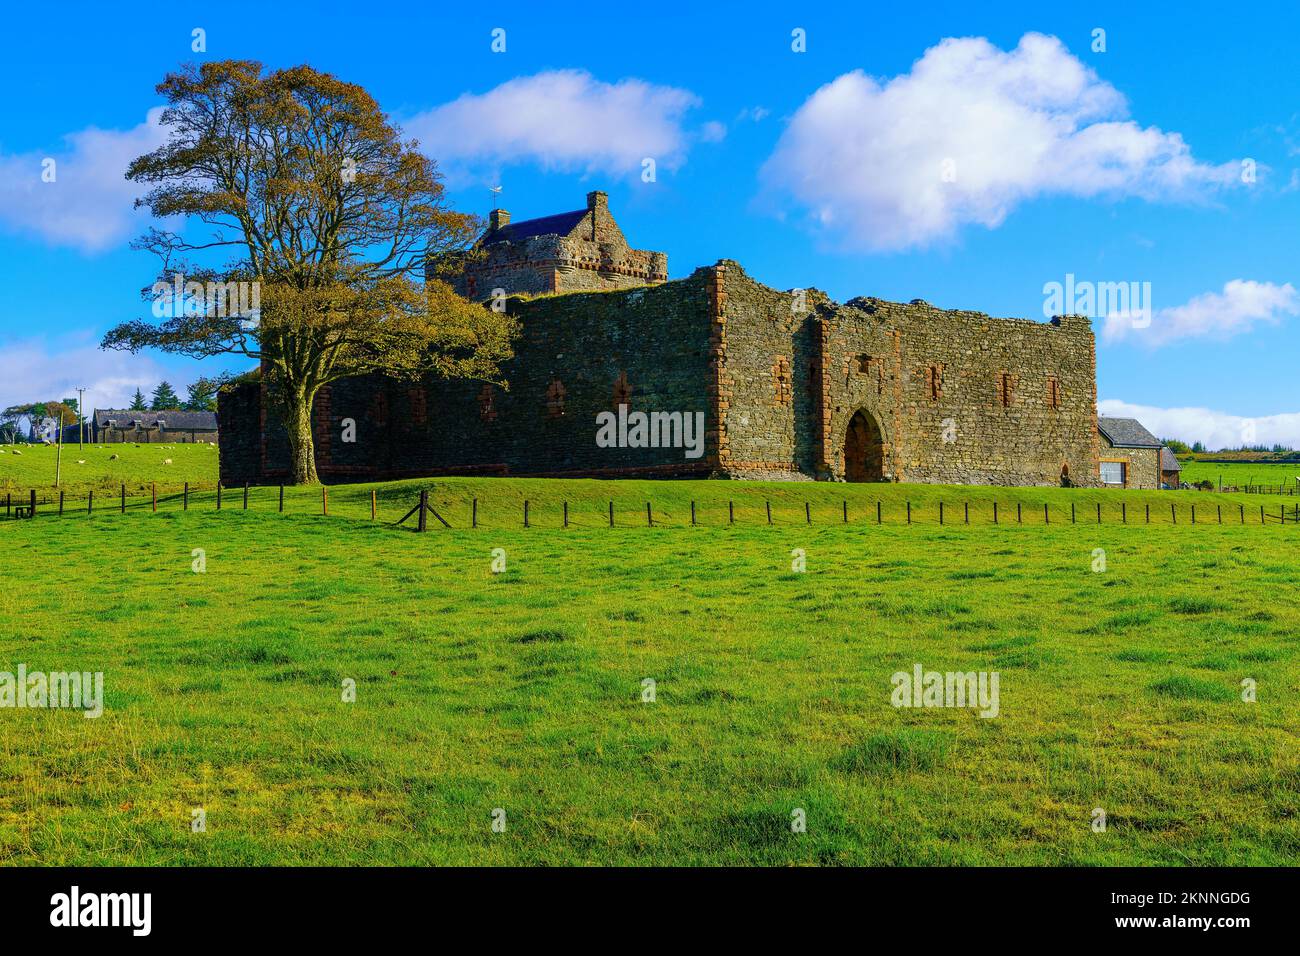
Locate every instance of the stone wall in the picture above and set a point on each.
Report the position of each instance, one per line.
(239, 453)
(1143, 464)
(955, 397)
(578, 355)
(785, 380)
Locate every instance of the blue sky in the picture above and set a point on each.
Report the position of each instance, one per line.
(820, 168)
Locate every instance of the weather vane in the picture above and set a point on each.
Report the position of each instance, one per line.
(496, 191)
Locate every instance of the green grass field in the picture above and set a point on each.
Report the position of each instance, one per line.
(23, 467)
(1242, 474)
(1119, 689)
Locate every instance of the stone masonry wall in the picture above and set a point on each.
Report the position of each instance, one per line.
(1143, 471)
(950, 396)
(957, 396)
(577, 355)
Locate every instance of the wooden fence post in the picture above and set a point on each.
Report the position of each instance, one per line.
(9, 504)
(877, 512)
(1193, 514)
(731, 512)
(967, 505)
(1243, 513)
(1018, 520)
(846, 512)
(245, 496)
(90, 502)
(1173, 512)
(769, 511)
(566, 514)
(60, 502)
(123, 497)
(31, 512)
(218, 495)
(1261, 514)
(807, 512)
(525, 512)
(1219, 508)
(1099, 512)
(185, 498)
(1148, 512)
(374, 504)
(649, 521)
(692, 511)
(473, 513)
(282, 499)
(1071, 512)
(611, 514)
(995, 512)
(909, 512)
(324, 501)
(1046, 519)
(940, 511)
(422, 521)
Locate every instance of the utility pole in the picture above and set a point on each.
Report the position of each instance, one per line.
(58, 455)
(81, 419)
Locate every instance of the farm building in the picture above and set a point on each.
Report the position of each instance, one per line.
(1131, 457)
(785, 385)
(149, 425)
(1170, 470)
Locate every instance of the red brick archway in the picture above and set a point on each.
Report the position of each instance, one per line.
(864, 449)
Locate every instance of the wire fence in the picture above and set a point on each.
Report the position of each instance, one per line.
(526, 513)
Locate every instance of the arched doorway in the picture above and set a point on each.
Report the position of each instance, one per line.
(864, 449)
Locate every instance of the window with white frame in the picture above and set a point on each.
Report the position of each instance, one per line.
(1112, 472)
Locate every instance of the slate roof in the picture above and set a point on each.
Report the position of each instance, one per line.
(1169, 461)
(175, 419)
(1127, 433)
(561, 224)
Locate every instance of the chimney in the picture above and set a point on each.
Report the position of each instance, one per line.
(499, 219)
(598, 202)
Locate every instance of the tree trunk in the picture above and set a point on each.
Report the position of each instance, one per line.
(302, 447)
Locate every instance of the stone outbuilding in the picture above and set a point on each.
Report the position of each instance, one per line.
(1130, 455)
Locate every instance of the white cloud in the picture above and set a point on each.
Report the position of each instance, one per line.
(1215, 430)
(38, 369)
(1241, 306)
(89, 204)
(565, 120)
(964, 138)
(713, 132)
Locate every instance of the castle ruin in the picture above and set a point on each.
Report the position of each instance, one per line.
(791, 384)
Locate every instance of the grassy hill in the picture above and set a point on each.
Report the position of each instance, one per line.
(23, 467)
(1242, 474)
(1119, 688)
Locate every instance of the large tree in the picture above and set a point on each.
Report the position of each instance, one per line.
(318, 203)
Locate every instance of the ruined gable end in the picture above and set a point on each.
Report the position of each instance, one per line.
(583, 250)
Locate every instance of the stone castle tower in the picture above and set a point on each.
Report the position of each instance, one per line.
(579, 251)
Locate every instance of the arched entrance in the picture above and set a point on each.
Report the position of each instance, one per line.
(864, 449)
